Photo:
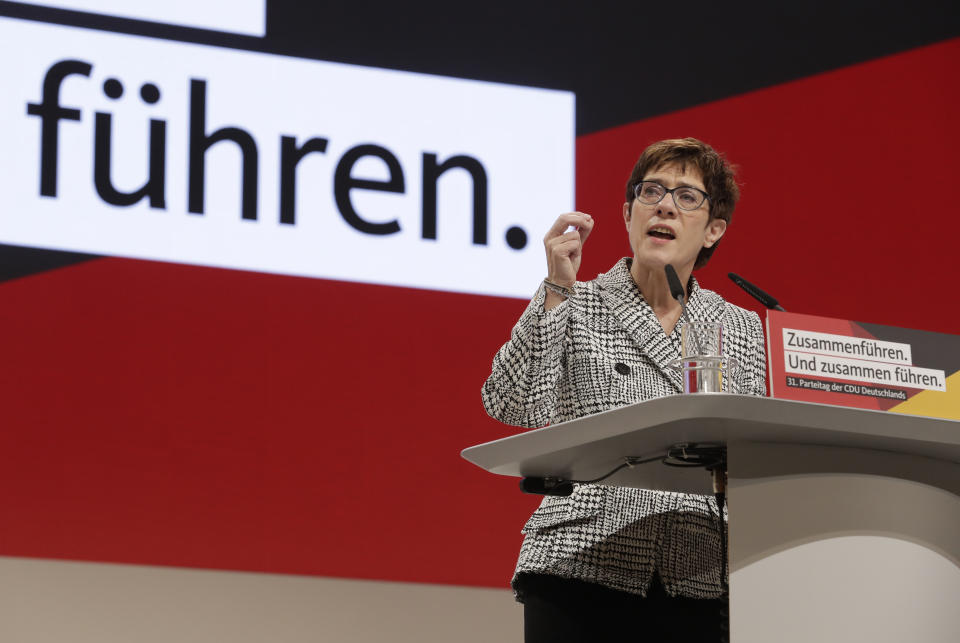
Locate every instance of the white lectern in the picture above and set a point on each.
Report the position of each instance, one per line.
(844, 523)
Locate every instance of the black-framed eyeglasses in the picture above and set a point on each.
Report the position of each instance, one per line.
(686, 198)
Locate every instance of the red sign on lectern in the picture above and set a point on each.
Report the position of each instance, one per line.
(867, 366)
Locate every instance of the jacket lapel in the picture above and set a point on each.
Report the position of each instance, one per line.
(623, 299)
(704, 305)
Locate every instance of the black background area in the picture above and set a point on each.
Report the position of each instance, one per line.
(625, 62)
(18, 261)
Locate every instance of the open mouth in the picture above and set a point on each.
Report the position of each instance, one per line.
(661, 233)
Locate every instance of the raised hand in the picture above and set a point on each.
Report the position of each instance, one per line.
(565, 248)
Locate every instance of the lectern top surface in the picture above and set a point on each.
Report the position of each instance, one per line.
(587, 447)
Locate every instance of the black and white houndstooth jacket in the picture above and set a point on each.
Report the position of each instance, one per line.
(560, 365)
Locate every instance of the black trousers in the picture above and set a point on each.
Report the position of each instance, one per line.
(560, 610)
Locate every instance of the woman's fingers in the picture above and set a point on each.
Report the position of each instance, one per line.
(569, 247)
(564, 246)
(564, 221)
(586, 229)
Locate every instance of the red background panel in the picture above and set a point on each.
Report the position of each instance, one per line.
(848, 181)
(175, 415)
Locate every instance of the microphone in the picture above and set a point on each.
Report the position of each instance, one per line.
(676, 291)
(676, 288)
(755, 292)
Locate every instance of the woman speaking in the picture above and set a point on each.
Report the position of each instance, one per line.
(608, 562)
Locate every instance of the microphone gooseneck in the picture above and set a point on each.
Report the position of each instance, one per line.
(677, 292)
(676, 288)
(755, 292)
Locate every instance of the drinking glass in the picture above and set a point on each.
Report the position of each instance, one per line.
(703, 366)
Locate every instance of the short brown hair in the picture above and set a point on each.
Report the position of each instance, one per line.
(718, 177)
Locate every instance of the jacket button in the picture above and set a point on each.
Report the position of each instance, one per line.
(621, 368)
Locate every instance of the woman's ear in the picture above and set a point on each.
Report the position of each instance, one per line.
(715, 230)
(626, 214)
